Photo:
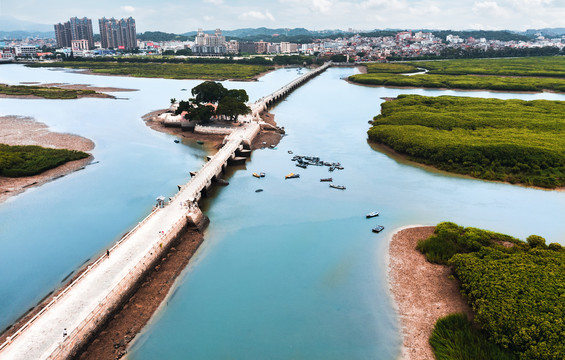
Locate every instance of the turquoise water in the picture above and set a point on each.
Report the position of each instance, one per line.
(293, 272)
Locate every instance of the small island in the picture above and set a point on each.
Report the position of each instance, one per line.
(31, 155)
(516, 141)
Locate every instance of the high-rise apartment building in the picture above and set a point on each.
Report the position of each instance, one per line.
(74, 29)
(118, 34)
(209, 44)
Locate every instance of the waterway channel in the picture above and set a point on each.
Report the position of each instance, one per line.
(290, 272)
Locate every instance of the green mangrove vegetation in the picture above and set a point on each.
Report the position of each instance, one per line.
(212, 71)
(391, 68)
(28, 160)
(463, 82)
(504, 140)
(550, 66)
(516, 74)
(515, 288)
(44, 92)
(455, 338)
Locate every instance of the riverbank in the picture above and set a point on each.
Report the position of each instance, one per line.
(56, 91)
(112, 339)
(423, 292)
(17, 130)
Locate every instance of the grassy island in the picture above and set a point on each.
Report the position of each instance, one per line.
(505, 140)
(515, 289)
(210, 71)
(28, 160)
(44, 92)
(517, 74)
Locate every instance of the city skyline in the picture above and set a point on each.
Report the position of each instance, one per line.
(311, 14)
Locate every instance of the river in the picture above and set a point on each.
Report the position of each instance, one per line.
(290, 272)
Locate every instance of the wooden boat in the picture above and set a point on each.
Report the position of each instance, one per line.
(177, 141)
(340, 187)
(292, 176)
(256, 175)
(200, 142)
(258, 190)
(378, 229)
(327, 179)
(372, 214)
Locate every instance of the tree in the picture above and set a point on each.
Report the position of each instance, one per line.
(209, 92)
(232, 107)
(238, 94)
(536, 241)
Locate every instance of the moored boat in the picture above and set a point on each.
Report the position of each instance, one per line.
(327, 179)
(372, 214)
(340, 187)
(301, 165)
(256, 175)
(378, 229)
(262, 174)
(292, 176)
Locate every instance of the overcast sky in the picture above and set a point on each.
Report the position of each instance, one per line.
(181, 16)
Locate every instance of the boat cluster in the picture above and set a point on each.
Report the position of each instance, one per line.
(303, 161)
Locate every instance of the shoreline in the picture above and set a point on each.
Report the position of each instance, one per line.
(422, 292)
(404, 159)
(19, 130)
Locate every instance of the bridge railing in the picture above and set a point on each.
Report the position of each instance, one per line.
(79, 334)
(88, 269)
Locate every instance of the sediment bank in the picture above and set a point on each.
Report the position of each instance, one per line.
(17, 130)
(422, 292)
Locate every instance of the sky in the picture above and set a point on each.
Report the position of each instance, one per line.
(180, 16)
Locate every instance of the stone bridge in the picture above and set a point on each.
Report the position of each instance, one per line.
(73, 316)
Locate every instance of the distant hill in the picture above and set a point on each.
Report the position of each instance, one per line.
(20, 35)
(547, 31)
(10, 24)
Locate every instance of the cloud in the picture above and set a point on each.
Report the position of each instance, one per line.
(257, 15)
(128, 9)
(215, 2)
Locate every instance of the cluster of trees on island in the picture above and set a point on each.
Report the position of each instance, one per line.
(515, 288)
(507, 140)
(28, 160)
(213, 99)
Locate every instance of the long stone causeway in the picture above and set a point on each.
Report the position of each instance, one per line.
(73, 316)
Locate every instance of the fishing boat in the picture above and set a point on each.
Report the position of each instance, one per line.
(378, 229)
(292, 176)
(290, 151)
(327, 179)
(340, 187)
(304, 166)
(258, 190)
(256, 175)
(262, 174)
(372, 214)
(177, 141)
(200, 142)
